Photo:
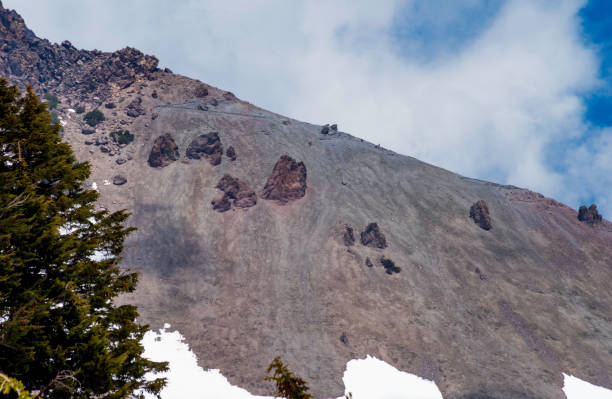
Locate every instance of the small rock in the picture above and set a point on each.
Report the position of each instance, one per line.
(228, 95)
(101, 140)
(231, 153)
(202, 107)
(479, 212)
(349, 237)
(154, 115)
(120, 161)
(201, 91)
(154, 94)
(109, 105)
(334, 127)
(89, 142)
(369, 263)
(373, 237)
(325, 129)
(119, 180)
(286, 122)
(214, 102)
(589, 215)
(344, 338)
(104, 149)
(88, 131)
(135, 108)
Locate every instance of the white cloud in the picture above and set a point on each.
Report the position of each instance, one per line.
(490, 108)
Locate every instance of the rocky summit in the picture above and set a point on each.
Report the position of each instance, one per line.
(491, 291)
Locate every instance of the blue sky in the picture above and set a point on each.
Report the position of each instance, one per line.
(513, 91)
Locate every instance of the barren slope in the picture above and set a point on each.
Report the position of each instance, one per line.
(497, 313)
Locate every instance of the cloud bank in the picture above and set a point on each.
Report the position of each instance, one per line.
(495, 93)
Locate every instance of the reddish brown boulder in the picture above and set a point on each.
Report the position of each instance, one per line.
(238, 191)
(480, 213)
(373, 237)
(287, 182)
(164, 151)
(206, 146)
(589, 215)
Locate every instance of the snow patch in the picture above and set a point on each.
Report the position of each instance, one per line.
(575, 388)
(367, 378)
(71, 110)
(185, 378)
(94, 186)
(106, 182)
(371, 378)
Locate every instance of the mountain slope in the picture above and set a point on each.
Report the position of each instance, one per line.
(497, 313)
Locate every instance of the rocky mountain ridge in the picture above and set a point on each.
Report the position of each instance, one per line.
(306, 242)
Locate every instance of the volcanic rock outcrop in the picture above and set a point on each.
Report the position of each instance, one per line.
(206, 146)
(287, 182)
(135, 108)
(238, 191)
(164, 151)
(479, 212)
(373, 237)
(589, 215)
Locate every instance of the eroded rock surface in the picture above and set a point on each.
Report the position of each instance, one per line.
(236, 190)
(164, 151)
(287, 182)
(589, 215)
(206, 146)
(479, 212)
(373, 237)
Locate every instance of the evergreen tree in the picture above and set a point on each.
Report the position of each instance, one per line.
(60, 332)
(288, 385)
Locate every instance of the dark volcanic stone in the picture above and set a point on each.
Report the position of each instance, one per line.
(135, 108)
(369, 263)
(109, 105)
(119, 180)
(238, 191)
(88, 131)
(479, 211)
(231, 153)
(373, 237)
(334, 127)
(120, 161)
(344, 338)
(349, 236)
(589, 215)
(287, 182)
(201, 91)
(164, 151)
(222, 204)
(207, 146)
(154, 94)
(325, 129)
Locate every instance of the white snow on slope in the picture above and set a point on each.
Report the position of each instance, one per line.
(185, 378)
(371, 378)
(575, 388)
(367, 378)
